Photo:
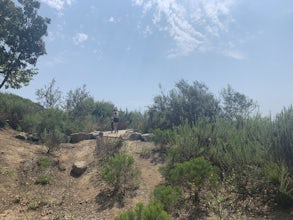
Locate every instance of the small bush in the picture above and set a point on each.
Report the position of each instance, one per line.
(150, 212)
(52, 139)
(121, 174)
(163, 137)
(168, 196)
(43, 163)
(107, 147)
(43, 179)
(278, 175)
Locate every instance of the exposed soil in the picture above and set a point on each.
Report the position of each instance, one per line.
(66, 197)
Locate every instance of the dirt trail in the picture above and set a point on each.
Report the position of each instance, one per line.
(66, 197)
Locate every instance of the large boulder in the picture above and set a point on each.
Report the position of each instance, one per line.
(147, 137)
(21, 136)
(78, 168)
(80, 136)
(133, 136)
(95, 134)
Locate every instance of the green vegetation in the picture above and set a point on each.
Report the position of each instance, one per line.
(43, 179)
(51, 121)
(150, 212)
(21, 40)
(211, 147)
(207, 142)
(120, 173)
(43, 165)
(168, 196)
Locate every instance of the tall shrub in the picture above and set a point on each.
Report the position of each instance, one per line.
(283, 136)
(120, 172)
(184, 102)
(192, 174)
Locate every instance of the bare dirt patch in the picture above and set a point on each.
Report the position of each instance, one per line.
(65, 197)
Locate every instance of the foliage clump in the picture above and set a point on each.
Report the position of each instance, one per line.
(43, 165)
(150, 212)
(168, 196)
(121, 174)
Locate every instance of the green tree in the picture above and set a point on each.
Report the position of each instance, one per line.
(79, 103)
(21, 41)
(103, 113)
(184, 102)
(50, 96)
(236, 105)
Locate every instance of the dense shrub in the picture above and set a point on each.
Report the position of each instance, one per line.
(192, 174)
(150, 212)
(278, 174)
(283, 136)
(14, 109)
(135, 120)
(120, 173)
(184, 102)
(164, 137)
(168, 196)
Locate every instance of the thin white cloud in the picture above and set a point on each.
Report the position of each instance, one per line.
(137, 2)
(238, 55)
(191, 24)
(79, 38)
(113, 20)
(58, 4)
(147, 31)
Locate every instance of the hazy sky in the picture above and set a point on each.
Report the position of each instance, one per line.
(123, 49)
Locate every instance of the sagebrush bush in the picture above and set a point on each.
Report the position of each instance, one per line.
(121, 173)
(107, 148)
(52, 139)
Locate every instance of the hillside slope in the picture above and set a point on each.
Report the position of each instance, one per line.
(66, 197)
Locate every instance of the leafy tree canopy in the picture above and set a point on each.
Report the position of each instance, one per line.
(21, 41)
(50, 96)
(184, 102)
(236, 105)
